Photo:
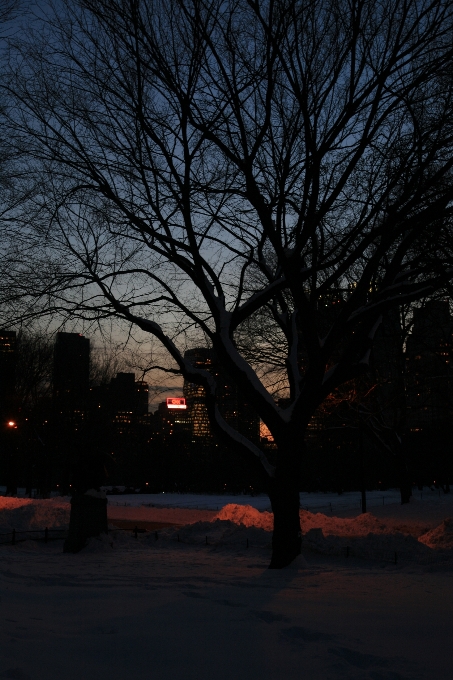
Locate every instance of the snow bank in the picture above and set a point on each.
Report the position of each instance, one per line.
(379, 546)
(336, 526)
(219, 532)
(101, 544)
(364, 535)
(239, 525)
(246, 515)
(440, 537)
(361, 525)
(25, 513)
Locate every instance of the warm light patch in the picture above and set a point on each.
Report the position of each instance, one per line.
(265, 433)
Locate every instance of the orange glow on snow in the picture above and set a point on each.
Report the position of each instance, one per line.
(265, 433)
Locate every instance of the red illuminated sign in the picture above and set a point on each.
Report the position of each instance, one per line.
(176, 402)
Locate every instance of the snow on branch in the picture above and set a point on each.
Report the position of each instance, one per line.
(293, 366)
(240, 439)
(366, 357)
(256, 301)
(240, 363)
(328, 374)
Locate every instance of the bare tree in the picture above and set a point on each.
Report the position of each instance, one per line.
(202, 160)
(10, 197)
(105, 362)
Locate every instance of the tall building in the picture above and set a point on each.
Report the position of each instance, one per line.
(236, 411)
(71, 374)
(175, 423)
(123, 400)
(127, 399)
(141, 397)
(8, 358)
(195, 396)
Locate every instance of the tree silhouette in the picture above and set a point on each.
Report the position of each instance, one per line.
(198, 161)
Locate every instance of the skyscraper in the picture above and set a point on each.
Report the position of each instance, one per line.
(201, 357)
(71, 374)
(127, 399)
(236, 411)
(174, 424)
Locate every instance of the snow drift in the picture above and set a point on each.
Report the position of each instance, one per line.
(246, 515)
(336, 526)
(24, 513)
(441, 536)
(239, 526)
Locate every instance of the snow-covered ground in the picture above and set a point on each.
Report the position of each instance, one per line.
(199, 602)
(310, 501)
(331, 502)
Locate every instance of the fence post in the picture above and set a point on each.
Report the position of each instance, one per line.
(13, 539)
(156, 535)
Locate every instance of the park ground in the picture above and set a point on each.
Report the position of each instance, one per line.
(196, 603)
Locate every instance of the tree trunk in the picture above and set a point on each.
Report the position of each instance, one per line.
(88, 518)
(405, 482)
(362, 465)
(284, 497)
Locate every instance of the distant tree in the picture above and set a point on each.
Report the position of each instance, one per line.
(182, 146)
(105, 362)
(33, 400)
(33, 368)
(10, 196)
(28, 406)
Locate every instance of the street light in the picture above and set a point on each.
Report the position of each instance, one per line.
(12, 423)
